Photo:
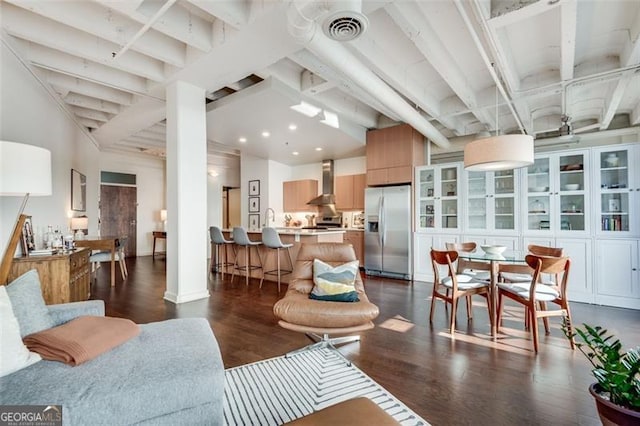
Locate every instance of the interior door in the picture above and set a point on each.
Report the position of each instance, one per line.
(118, 212)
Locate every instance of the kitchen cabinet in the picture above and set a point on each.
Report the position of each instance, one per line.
(297, 193)
(392, 153)
(349, 192)
(617, 187)
(356, 239)
(618, 272)
(64, 277)
(437, 197)
(557, 194)
(491, 201)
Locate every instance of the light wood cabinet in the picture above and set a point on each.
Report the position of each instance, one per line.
(297, 193)
(392, 154)
(349, 191)
(64, 277)
(356, 239)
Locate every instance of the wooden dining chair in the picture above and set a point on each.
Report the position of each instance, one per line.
(523, 277)
(476, 269)
(455, 285)
(535, 295)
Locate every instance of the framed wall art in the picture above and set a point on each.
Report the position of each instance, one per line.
(28, 239)
(254, 204)
(78, 191)
(254, 221)
(254, 188)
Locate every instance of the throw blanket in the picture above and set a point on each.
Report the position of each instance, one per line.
(81, 339)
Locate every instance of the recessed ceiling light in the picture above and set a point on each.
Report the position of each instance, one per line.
(295, 152)
(306, 109)
(292, 126)
(242, 139)
(318, 149)
(266, 134)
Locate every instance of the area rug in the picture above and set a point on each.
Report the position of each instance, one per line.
(278, 390)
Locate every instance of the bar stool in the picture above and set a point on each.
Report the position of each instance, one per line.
(218, 241)
(271, 239)
(241, 239)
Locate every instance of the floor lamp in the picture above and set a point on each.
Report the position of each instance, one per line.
(24, 170)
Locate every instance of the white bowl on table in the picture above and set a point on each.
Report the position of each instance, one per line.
(493, 250)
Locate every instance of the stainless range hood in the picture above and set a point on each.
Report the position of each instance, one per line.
(327, 196)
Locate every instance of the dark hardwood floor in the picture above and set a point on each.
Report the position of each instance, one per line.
(466, 380)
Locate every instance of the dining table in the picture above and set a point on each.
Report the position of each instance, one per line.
(509, 261)
(102, 243)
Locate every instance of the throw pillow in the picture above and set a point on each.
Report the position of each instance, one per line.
(14, 355)
(336, 284)
(28, 305)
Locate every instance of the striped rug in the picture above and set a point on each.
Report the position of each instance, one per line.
(278, 390)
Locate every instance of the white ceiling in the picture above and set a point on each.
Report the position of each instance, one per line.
(434, 64)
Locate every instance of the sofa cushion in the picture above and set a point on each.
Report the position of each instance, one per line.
(14, 355)
(170, 366)
(334, 283)
(28, 305)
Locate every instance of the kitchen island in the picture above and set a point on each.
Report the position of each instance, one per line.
(295, 236)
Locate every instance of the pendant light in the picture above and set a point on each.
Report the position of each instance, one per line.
(499, 152)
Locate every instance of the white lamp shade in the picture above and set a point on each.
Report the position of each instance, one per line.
(499, 153)
(81, 222)
(24, 169)
(163, 215)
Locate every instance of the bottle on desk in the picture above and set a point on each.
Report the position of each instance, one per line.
(48, 238)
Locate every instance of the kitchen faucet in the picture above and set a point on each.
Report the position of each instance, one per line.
(266, 216)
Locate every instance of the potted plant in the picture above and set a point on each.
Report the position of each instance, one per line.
(617, 390)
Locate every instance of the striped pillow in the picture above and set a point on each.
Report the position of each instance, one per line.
(336, 284)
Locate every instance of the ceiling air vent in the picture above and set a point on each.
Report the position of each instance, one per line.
(345, 25)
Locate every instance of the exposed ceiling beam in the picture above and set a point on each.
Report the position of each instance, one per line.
(177, 23)
(91, 113)
(634, 117)
(413, 20)
(631, 50)
(110, 25)
(614, 98)
(83, 101)
(235, 13)
(77, 67)
(568, 19)
(34, 28)
(87, 122)
(87, 88)
(525, 12)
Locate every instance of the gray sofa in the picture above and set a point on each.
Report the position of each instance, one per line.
(170, 374)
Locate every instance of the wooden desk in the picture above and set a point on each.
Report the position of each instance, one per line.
(108, 243)
(157, 234)
(64, 277)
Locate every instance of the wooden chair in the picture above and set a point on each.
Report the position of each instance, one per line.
(105, 256)
(478, 270)
(520, 277)
(460, 285)
(534, 293)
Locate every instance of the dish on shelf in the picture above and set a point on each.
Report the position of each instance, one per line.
(611, 160)
(539, 189)
(570, 167)
(537, 211)
(571, 186)
(572, 211)
(494, 250)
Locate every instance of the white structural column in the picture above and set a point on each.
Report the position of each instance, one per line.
(186, 193)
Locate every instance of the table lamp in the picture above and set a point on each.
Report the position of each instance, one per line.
(79, 225)
(24, 170)
(163, 218)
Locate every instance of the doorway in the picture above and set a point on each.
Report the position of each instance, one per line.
(118, 213)
(231, 207)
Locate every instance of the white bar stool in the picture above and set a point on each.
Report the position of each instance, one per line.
(271, 239)
(218, 241)
(241, 239)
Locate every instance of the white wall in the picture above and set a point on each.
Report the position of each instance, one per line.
(350, 166)
(150, 184)
(29, 114)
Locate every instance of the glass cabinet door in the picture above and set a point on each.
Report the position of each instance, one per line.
(426, 203)
(614, 190)
(504, 211)
(572, 192)
(449, 197)
(539, 195)
(477, 199)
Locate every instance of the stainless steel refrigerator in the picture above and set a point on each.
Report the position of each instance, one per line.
(387, 232)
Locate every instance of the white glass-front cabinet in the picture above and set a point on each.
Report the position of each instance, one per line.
(438, 197)
(618, 189)
(491, 201)
(557, 200)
